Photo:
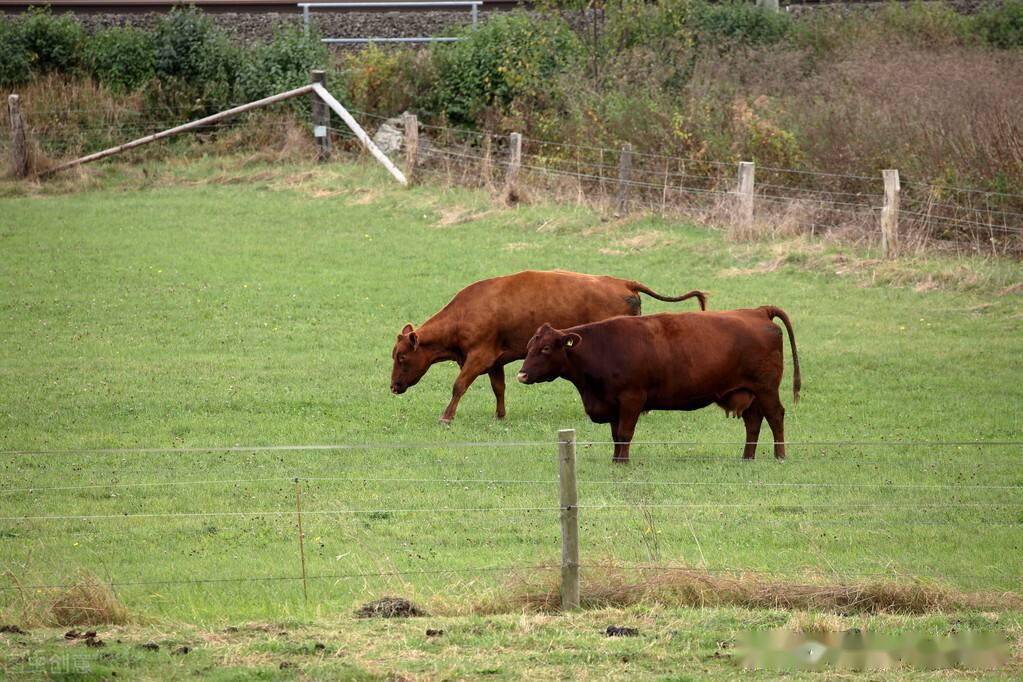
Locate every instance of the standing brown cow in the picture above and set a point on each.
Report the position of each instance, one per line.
(683, 361)
(488, 323)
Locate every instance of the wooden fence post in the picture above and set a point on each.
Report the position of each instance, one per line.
(301, 537)
(569, 521)
(19, 143)
(624, 170)
(321, 118)
(744, 218)
(411, 146)
(890, 214)
(511, 182)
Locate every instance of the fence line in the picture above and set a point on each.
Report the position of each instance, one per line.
(500, 481)
(116, 113)
(499, 569)
(295, 578)
(498, 444)
(838, 506)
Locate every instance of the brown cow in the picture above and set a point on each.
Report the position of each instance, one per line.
(487, 324)
(682, 361)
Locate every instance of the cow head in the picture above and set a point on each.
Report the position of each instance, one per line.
(411, 361)
(547, 355)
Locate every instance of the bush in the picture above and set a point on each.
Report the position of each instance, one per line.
(1002, 25)
(123, 59)
(53, 43)
(511, 57)
(196, 66)
(15, 63)
(740, 22)
(384, 81)
(282, 64)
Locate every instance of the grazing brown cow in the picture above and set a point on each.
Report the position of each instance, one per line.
(487, 324)
(682, 361)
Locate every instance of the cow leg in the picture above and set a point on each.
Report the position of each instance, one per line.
(497, 383)
(628, 415)
(473, 366)
(753, 418)
(772, 408)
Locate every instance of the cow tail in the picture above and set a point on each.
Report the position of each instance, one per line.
(772, 313)
(695, 293)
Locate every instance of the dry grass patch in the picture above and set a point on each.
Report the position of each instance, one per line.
(618, 587)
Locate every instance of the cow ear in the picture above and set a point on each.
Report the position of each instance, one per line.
(413, 340)
(572, 340)
(406, 329)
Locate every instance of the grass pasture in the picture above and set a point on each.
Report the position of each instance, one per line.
(221, 304)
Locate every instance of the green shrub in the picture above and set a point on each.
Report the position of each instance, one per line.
(196, 65)
(930, 24)
(121, 58)
(53, 43)
(1001, 25)
(15, 62)
(385, 81)
(740, 22)
(511, 57)
(632, 23)
(282, 64)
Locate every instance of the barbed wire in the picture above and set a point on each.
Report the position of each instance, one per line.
(298, 578)
(518, 568)
(839, 507)
(504, 444)
(506, 481)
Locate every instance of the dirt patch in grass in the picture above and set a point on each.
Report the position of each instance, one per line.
(1013, 289)
(389, 607)
(459, 215)
(617, 587)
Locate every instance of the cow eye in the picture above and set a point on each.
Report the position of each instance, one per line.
(401, 358)
(546, 350)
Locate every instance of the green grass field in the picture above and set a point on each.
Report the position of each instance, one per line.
(218, 304)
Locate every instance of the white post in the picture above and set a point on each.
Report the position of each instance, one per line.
(569, 521)
(890, 214)
(359, 132)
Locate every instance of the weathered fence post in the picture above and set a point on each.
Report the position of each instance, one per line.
(487, 165)
(569, 521)
(744, 219)
(321, 118)
(890, 214)
(511, 184)
(411, 146)
(19, 143)
(624, 171)
(301, 536)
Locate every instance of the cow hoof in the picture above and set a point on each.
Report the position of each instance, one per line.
(620, 460)
(445, 421)
(500, 415)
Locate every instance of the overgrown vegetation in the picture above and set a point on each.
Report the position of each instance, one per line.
(721, 81)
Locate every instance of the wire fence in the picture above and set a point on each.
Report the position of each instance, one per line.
(787, 200)
(796, 523)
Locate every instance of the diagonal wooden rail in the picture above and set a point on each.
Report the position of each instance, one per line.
(316, 88)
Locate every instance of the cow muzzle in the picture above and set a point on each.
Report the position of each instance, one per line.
(522, 377)
(398, 389)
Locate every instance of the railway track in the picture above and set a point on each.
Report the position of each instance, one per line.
(237, 6)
